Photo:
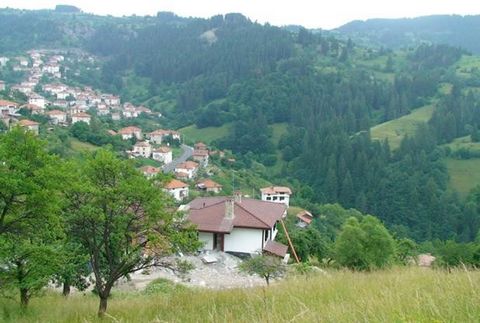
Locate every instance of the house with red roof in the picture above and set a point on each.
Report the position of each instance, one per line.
(189, 168)
(162, 154)
(81, 116)
(150, 171)
(130, 132)
(277, 194)
(29, 125)
(178, 189)
(237, 224)
(210, 186)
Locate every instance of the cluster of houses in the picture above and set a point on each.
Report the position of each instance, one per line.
(70, 104)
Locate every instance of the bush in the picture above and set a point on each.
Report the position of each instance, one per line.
(163, 286)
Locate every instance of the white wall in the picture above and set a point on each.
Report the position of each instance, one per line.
(244, 240)
(207, 239)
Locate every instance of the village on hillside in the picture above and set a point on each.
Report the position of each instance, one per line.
(236, 224)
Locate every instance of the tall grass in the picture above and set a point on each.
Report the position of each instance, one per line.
(396, 295)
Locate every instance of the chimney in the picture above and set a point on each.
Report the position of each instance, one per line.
(229, 209)
(238, 196)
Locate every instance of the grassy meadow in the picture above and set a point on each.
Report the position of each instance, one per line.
(396, 129)
(193, 134)
(464, 174)
(395, 295)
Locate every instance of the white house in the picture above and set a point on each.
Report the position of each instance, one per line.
(189, 168)
(159, 135)
(201, 156)
(277, 194)
(57, 116)
(238, 225)
(150, 171)
(162, 154)
(2, 86)
(143, 149)
(77, 117)
(37, 99)
(130, 132)
(8, 107)
(178, 189)
(304, 219)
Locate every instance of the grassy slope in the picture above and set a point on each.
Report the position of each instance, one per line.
(80, 146)
(207, 135)
(397, 295)
(396, 129)
(464, 174)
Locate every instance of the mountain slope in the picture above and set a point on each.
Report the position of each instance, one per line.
(454, 30)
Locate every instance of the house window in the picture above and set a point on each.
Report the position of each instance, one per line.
(269, 198)
(274, 198)
(266, 234)
(281, 198)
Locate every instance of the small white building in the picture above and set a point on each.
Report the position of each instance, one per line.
(77, 117)
(238, 225)
(142, 149)
(178, 189)
(150, 171)
(57, 116)
(277, 194)
(130, 132)
(37, 99)
(162, 154)
(8, 107)
(189, 168)
(2, 86)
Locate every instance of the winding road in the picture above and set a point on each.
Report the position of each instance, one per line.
(186, 154)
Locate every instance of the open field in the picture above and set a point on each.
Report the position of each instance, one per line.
(80, 146)
(464, 174)
(464, 143)
(396, 295)
(396, 129)
(207, 135)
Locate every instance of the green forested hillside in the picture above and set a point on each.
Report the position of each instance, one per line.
(454, 30)
(233, 82)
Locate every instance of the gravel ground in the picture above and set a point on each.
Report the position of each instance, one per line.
(220, 275)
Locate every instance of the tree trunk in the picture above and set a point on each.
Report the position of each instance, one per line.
(66, 289)
(24, 297)
(103, 306)
(267, 279)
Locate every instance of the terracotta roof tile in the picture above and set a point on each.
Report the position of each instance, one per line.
(276, 190)
(276, 248)
(175, 183)
(248, 213)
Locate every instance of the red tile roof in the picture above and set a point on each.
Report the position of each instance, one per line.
(208, 183)
(305, 216)
(208, 213)
(129, 130)
(26, 123)
(175, 183)
(149, 170)
(276, 248)
(7, 103)
(163, 150)
(187, 165)
(276, 190)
